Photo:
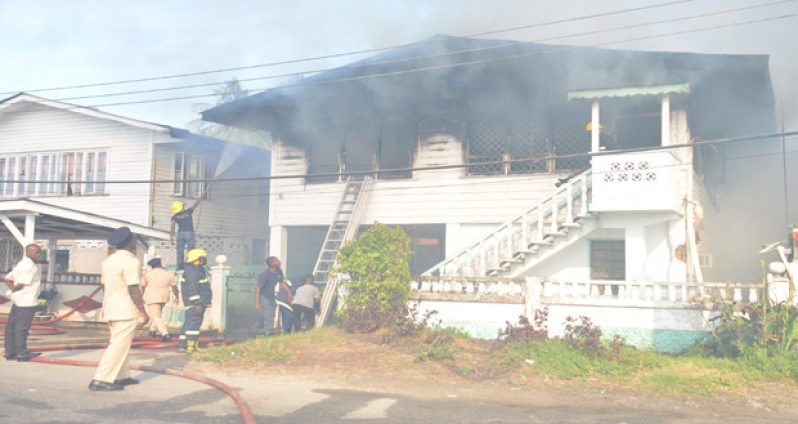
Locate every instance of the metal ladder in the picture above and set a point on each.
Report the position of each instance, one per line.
(343, 229)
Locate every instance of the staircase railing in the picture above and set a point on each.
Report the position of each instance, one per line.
(524, 233)
(342, 229)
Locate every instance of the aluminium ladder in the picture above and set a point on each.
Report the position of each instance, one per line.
(343, 229)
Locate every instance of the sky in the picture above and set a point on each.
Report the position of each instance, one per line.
(47, 44)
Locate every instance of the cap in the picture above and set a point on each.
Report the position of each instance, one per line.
(120, 237)
(154, 262)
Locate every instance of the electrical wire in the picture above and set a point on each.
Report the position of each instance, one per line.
(427, 168)
(447, 66)
(435, 56)
(462, 64)
(356, 52)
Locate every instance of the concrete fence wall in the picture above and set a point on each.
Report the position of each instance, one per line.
(662, 316)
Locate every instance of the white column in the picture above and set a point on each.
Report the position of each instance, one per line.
(636, 252)
(453, 237)
(278, 242)
(594, 124)
(30, 227)
(666, 120)
(533, 295)
(218, 287)
(52, 245)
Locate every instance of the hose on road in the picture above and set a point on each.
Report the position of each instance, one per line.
(43, 328)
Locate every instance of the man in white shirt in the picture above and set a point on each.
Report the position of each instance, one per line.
(306, 302)
(24, 282)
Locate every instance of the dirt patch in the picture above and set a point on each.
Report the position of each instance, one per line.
(366, 363)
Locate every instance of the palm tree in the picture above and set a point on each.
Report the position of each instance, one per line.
(228, 92)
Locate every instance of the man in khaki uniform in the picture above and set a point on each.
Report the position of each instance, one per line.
(157, 283)
(123, 308)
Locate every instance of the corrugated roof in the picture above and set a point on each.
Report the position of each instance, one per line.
(652, 90)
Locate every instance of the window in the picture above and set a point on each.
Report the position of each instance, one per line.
(180, 158)
(500, 146)
(607, 260)
(55, 174)
(189, 170)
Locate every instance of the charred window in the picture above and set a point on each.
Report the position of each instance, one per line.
(397, 144)
(506, 146)
(360, 150)
(324, 160)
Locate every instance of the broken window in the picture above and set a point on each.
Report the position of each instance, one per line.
(397, 144)
(360, 150)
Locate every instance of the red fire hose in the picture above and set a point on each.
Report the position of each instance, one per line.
(41, 328)
(151, 343)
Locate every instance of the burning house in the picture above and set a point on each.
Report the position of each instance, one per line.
(511, 160)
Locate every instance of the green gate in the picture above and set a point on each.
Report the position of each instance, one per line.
(239, 316)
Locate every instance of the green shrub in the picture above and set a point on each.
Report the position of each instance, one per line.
(377, 270)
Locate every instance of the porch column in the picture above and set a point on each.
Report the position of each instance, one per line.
(278, 242)
(666, 120)
(30, 227)
(595, 132)
(52, 246)
(636, 252)
(217, 313)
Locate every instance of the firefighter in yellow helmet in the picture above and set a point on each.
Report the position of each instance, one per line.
(195, 288)
(184, 220)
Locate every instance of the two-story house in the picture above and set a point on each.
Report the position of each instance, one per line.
(467, 138)
(58, 159)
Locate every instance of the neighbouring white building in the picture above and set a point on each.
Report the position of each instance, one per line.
(467, 141)
(63, 169)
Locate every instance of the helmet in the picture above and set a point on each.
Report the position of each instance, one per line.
(178, 206)
(195, 254)
(589, 126)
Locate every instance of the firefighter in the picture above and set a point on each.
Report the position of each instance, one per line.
(195, 288)
(183, 219)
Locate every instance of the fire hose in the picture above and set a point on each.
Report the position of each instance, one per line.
(43, 328)
(151, 343)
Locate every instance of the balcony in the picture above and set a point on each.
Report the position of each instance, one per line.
(654, 181)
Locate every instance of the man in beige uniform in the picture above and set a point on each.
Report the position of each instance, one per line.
(123, 307)
(157, 283)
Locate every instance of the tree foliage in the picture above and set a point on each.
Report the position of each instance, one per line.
(376, 274)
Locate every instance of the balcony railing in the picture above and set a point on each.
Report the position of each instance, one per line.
(638, 181)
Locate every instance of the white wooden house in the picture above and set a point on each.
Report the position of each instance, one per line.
(466, 140)
(68, 157)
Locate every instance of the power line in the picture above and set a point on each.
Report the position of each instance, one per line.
(355, 52)
(437, 55)
(341, 175)
(459, 64)
(468, 63)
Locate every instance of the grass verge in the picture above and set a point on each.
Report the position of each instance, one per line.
(266, 349)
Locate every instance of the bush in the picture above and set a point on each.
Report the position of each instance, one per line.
(741, 329)
(525, 330)
(377, 266)
(581, 334)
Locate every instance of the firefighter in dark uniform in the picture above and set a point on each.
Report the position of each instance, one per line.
(195, 288)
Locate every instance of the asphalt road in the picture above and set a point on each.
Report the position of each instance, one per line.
(39, 393)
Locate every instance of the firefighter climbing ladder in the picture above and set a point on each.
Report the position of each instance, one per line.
(343, 228)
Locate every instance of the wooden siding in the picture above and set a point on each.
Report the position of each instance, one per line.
(233, 209)
(433, 196)
(44, 129)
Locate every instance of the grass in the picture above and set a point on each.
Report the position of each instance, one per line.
(266, 349)
(649, 371)
(640, 370)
